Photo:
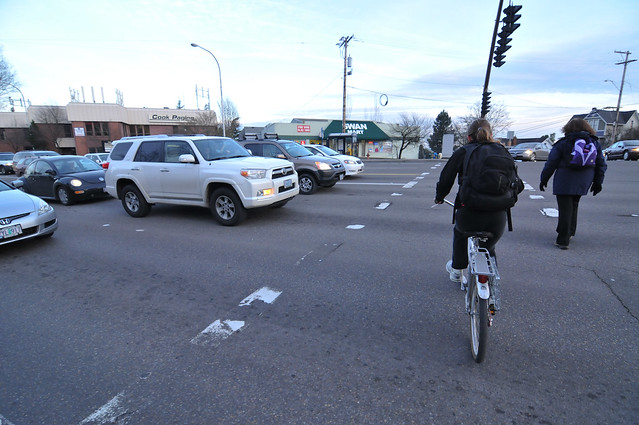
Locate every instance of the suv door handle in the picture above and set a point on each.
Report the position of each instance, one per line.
(164, 170)
(135, 169)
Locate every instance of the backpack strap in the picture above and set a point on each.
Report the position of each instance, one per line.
(510, 220)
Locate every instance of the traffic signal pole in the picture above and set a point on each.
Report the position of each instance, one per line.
(486, 93)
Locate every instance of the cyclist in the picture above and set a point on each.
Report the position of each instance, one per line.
(465, 218)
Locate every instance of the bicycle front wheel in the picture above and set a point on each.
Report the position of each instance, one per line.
(478, 322)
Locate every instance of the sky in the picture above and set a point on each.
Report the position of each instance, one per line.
(280, 60)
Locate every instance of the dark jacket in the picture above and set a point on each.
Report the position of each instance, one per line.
(567, 180)
(454, 168)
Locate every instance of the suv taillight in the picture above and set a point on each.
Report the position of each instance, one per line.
(105, 165)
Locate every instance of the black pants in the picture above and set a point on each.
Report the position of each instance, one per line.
(568, 206)
(474, 221)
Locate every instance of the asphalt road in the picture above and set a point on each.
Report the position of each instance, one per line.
(334, 309)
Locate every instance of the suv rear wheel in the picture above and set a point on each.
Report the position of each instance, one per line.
(133, 202)
(307, 183)
(226, 207)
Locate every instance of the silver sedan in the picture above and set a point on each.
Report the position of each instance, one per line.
(24, 216)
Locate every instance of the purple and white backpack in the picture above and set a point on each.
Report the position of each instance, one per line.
(584, 154)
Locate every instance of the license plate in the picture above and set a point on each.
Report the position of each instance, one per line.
(11, 231)
(288, 183)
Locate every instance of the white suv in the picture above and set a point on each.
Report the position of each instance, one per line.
(206, 171)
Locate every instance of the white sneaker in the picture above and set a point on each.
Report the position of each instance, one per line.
(454, 274)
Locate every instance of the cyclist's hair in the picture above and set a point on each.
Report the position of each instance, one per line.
(480, 131)
(578, 124)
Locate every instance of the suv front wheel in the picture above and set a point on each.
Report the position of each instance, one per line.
(308, 185)
(226, 207)
(133, 202)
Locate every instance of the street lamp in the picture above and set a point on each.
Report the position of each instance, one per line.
(221, 96)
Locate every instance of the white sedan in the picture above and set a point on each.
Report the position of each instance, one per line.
(352, 164)
(24, 216)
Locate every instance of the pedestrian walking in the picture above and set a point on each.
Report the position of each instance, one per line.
(578, 166)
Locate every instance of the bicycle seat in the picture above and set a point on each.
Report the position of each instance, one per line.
(480, 235)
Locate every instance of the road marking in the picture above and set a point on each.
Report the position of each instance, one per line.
(536, 197)
(217, 331)
(265, 294)
(104, 225)
(409, 185)
(371, 184)
(396, 194)
(550, 212)
(107, 414)
(5, 421)
(528, 187)
(139, 230)
(382, 205)
(355, 226)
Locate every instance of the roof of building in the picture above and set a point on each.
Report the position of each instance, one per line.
(607, 115)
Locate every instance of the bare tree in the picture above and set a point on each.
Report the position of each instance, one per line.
(497, 116)
(8, 82)
(50, 121)
(412, 130)
(231, 118)
(205, 123)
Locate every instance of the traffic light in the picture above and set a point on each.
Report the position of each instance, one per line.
(509, 26)
(485, 103)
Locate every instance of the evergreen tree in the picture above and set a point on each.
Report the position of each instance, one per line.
(442, 125)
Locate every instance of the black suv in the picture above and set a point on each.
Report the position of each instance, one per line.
(313, 170)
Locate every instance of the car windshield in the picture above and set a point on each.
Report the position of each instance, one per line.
(71, 165)
(328, 151)
(295, 149)
(214, 149)
(526, 146)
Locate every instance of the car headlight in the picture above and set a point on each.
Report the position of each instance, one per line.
(349, 161)
(43, 207)
(322, 165)
(76, 182)
(253, 174)
(528, 152)
(635, 150)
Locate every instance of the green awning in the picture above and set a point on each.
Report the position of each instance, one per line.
(365, 130)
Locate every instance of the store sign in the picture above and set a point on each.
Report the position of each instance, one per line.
(303, 128)
(357, 128)
(78, 131)
(171, 118)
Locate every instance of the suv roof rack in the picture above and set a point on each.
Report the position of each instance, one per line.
(161, 135)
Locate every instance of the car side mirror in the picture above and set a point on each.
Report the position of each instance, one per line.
(50, 172)
(187, 157)
(17, 184)
(280, 156)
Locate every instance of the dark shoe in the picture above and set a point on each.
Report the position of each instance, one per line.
(561, 246)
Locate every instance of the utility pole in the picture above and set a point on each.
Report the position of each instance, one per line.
(343, 42)
(623, 78)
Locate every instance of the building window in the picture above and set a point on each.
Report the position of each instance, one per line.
(97, 128)
(139, 130)
(68, 130)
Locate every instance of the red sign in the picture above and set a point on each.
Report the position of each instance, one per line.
(303, 128)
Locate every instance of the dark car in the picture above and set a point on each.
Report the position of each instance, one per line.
(625, 149)
(21, 165)
(65, 178)
(312, 170)
(6, 162)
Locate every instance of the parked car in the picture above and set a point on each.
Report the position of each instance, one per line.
(313, 170)
(6, 162)
(64, 178)
(98, 158)
(531, 151)
(213, 172)
(24, 216)
(36, 154)
(352, 165)
(624, 149)
(18, 169)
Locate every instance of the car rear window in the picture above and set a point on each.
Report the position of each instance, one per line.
(119, 151)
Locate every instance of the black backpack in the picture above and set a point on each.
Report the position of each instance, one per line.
(490, 181)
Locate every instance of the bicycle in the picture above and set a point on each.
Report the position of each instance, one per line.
(481, 281)
(482, 292)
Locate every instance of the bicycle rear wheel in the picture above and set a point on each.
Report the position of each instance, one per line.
(478, 322)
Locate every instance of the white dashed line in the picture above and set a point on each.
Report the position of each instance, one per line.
(550, 212)
(107, 414)
(265, 294)
(382, 205)
(536, 197)
(396, 194)
(217, 331)
(355, 226)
